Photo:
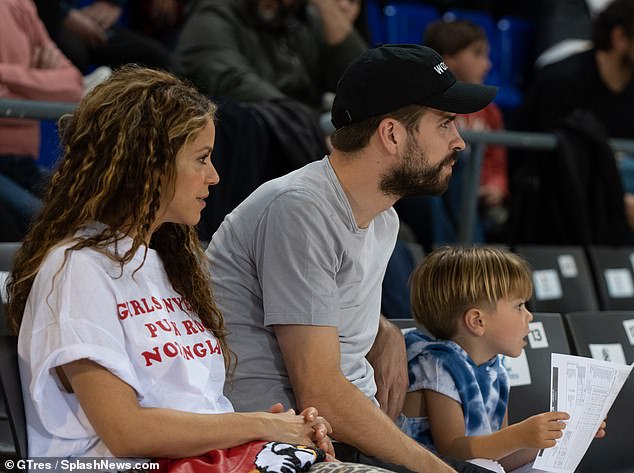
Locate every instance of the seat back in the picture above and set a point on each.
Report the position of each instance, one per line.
(530, 373)
(608, 335)
(406, 21)
(404, 324)
(516, 38)
(376, 21)
(562, 278)
(11, 389)
(7, 252)
(395, 291)
(613, 271)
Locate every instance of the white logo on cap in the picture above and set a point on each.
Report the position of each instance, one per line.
(440, 68)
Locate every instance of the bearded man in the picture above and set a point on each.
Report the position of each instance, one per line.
(297, 267)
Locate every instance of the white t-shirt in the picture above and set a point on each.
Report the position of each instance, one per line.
(132, 323)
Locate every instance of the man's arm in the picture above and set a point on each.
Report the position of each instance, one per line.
(312, 358)
(389, 360)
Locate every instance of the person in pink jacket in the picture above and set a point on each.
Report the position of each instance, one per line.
(33, 68)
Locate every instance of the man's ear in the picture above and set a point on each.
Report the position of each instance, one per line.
(474, 321)
(389, 132)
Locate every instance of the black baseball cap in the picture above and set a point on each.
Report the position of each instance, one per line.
(389, 77)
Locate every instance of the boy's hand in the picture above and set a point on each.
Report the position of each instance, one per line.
(541, 430)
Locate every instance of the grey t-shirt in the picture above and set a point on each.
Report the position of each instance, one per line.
(292, 253)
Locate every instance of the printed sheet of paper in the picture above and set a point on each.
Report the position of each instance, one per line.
(585, 388)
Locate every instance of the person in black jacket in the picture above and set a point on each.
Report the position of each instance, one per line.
(597, 82)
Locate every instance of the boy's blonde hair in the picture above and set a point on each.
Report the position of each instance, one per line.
(451, 280)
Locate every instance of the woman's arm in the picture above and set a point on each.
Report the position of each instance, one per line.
(129, 430)
(446, 421)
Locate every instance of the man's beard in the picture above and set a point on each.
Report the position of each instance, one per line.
(413, 176)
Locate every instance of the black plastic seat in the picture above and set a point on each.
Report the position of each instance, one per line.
(601, 334)
(562, 278)
(11, 389)
(548, 335)
(613, 269)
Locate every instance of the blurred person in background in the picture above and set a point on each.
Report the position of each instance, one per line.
(33, 68)
(93, 36)
(255, 50)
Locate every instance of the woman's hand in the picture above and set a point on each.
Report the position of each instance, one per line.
(320, 428)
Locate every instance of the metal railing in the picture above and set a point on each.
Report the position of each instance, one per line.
(15, 108)
(478, 141)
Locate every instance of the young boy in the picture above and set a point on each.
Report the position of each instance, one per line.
(472, 301)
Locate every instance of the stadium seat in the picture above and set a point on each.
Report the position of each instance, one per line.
(613, 269)
(515, 38)
(562, 278)
(11, 389)
(608, 335)
(49, 144)
(406, 22)
(376, 22)
(395, 294)
(404, 324)
(7, 251)
(530, 372)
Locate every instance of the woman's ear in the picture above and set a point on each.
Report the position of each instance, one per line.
(474, 321)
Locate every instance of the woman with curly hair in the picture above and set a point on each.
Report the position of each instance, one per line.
(122, 349)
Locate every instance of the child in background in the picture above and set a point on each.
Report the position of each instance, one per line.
(465, 49)
(472, 301)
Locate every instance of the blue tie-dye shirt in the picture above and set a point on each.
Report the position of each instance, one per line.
(443, 366)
